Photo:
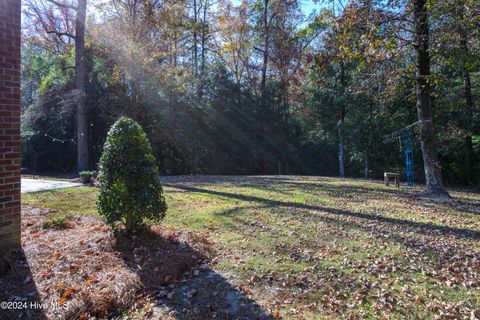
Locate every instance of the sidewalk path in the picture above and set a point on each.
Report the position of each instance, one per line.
(33, 185)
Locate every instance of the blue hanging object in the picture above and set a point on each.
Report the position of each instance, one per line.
(406, 136)
(407, 141)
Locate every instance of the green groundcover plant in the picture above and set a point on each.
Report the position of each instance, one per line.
(130, 189)
(88, 174)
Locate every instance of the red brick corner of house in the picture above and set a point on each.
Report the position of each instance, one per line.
(10, 162)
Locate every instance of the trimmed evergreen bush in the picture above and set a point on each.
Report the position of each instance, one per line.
(130, 190)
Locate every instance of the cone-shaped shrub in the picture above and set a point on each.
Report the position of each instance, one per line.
(130, 190)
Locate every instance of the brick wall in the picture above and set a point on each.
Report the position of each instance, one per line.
(10, 123)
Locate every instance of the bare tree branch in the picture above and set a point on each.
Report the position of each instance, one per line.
(61, 34)
(64, 5)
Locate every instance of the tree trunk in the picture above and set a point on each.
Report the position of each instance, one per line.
(341, 149)
(469, 106)
(204, 50)
(369, 143)
(365, 169)
(341, 125)
(266, 45)
(468, 144)
(80, 68)
(173, 96)
(195, 39)
(433, 175)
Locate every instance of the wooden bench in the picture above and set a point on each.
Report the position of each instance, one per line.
(392, 175)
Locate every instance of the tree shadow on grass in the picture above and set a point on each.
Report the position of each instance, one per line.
(347, 191)
(418, 227)
(19, 291)
(172, 267)
(468, 207)
(382, 232)
(308, 184)
(355, 193)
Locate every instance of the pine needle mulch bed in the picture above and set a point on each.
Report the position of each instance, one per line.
(85, 271)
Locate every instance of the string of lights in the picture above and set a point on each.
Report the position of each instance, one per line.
(72, 140)
(69, 140)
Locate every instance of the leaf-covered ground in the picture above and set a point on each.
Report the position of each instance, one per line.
(324, 248)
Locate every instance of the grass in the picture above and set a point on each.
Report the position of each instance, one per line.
(326, 248)
(79, 200)
(55, 221)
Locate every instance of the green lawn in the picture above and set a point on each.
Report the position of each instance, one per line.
(321, 248)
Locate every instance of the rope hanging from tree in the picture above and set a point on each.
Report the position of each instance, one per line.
(397, 134)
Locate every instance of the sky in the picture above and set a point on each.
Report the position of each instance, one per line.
(308, 6)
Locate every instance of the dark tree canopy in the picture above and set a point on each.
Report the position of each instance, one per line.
(259, 87)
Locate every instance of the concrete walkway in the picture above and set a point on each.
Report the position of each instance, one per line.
(34, 185)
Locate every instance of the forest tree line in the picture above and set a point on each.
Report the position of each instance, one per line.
(255, 86)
